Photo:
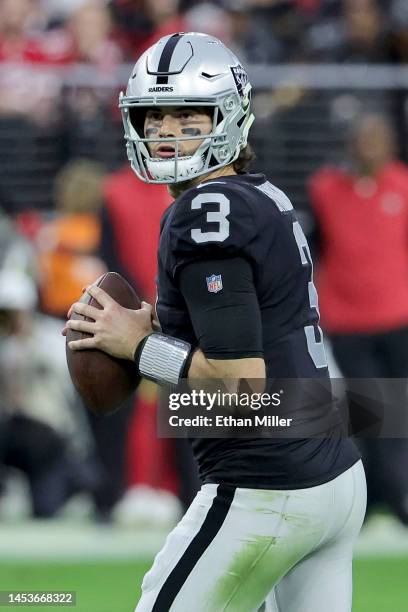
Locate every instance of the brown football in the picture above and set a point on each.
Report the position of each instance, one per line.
(103, 382)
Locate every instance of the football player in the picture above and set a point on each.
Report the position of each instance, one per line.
(275, 519)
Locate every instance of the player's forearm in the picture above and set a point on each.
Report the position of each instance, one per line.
(167, 360)
(203, 368)
(228, 372)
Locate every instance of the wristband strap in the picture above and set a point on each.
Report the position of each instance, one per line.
(163, 359)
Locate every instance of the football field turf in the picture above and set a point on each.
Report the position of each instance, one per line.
(380, 584)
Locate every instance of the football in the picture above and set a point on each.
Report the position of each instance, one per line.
(104, 382)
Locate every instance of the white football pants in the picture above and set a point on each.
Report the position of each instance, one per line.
(237, 548)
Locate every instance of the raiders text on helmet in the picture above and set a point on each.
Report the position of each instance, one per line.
(187, 69)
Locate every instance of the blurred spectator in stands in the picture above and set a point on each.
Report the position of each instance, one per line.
(58, 11)
(43, 434)
(361, 211)
(18, 24)
(23, 40)
(23, 36)
(399, 22)
(81, 32)
(140, 23)
(265, 31)
(366, 32)
(359, 33)
(68, 244)
(91, 28)
(165, 18)
(88, 106)
(29, 99)
(132, 27)
(209, 18)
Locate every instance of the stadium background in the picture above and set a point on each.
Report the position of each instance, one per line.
(315, 66)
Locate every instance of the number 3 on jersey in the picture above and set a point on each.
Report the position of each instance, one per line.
(315, 347)
(214, 216)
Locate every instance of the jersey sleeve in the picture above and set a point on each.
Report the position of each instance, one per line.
(223, 307)
(210, 221)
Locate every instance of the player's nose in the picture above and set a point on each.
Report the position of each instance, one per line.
(168, 126)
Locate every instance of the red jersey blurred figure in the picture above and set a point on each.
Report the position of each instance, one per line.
(130, 235)
(362, 278)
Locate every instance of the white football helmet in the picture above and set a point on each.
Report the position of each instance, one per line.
(187, 69)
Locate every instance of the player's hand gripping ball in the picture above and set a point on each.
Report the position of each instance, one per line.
(103, 380)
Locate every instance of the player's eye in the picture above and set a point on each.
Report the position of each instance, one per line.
(186, 114)
(153, 115)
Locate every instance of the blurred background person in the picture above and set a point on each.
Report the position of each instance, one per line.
(30, 116)
(91, 28)
(164, 17)
(210, 18)
(68, 244)
(25, 37)
(265, 32)
(399, 30)
(69, 259)
(43, 434)
(140, 23)
(350, 31)
(132, 26)
(158, 470)
(361, 212)
(88, 107)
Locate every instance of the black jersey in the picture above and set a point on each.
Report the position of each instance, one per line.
(245, 216)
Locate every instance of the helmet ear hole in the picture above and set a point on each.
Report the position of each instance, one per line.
(213, 161)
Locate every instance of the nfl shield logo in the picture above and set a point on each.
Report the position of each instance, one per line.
(214, 283)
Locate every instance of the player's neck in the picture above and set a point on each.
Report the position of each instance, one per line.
(176, 189)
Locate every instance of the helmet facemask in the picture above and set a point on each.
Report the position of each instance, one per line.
(231, 120)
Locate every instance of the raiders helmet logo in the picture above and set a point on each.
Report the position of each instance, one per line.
(240, 78)
(161, 88)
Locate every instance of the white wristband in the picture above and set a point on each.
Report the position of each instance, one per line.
(163, 358)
